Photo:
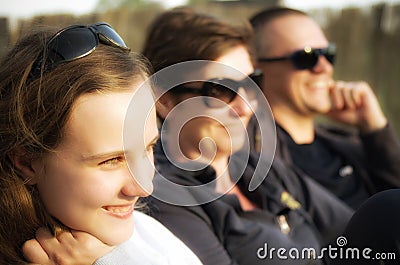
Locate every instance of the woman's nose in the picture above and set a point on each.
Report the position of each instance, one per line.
(240, 105)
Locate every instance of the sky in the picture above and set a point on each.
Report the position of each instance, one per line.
(28, 8)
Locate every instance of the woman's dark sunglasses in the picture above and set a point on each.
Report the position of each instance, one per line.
(223, 89)
(75, 42)
(306, 58)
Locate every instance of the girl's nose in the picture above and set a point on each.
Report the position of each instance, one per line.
(133, 187)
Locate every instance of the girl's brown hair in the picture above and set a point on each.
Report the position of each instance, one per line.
(33, 113)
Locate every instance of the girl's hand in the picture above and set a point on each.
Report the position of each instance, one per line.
(74, 247)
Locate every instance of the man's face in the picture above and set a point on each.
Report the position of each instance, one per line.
(304, 92)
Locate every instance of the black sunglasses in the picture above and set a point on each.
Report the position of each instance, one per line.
(223, 89)
(75, 42)
(306, 58)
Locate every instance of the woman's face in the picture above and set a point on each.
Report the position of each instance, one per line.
(86, 183)
(214, 131)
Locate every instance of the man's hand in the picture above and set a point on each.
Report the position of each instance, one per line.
(354, 103)
(73, 247)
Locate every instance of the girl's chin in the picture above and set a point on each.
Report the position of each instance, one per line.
(117, 234)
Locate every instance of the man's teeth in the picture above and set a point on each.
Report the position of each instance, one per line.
(319, 85)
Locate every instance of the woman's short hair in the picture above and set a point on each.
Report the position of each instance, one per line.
(181, 34)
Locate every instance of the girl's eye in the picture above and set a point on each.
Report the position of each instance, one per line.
(112, 162)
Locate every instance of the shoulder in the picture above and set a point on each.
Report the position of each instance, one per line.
(163, 241)
(151, 243)
(144, 221)
(149, 228)
(334, 130)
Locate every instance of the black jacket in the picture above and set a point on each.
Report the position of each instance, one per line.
(220, 232)
(375, 157)
(375, 226)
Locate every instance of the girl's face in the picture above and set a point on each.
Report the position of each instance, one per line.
(86, 183)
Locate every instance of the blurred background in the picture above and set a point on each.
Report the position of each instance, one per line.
(366, 32)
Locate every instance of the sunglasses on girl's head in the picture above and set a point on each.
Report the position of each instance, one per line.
(306, 58)
(223, 89)
(75, 42)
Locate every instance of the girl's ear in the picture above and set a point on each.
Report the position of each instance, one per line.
(23, 163)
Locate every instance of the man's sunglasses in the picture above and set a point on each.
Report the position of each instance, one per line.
(306, 58)
(75, 42)
(223, 89)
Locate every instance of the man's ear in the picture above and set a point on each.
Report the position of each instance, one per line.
(22, 161)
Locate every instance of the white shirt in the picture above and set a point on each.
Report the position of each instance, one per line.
(150, 244)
